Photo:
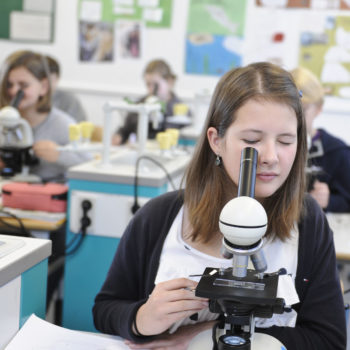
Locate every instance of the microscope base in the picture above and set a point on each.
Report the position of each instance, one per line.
(260, 341)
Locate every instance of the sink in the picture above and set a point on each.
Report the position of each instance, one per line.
(9, 245)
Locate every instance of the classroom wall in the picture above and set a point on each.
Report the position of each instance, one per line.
(95, 83)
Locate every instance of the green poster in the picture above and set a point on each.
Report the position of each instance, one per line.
(154, 13)
(214, 36)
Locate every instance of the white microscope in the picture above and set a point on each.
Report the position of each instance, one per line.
(16, 141)
(240, 294)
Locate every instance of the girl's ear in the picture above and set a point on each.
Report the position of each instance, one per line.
(44, 87)
(214, 140)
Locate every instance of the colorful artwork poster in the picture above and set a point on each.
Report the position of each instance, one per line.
(284, 3)
(313, 4)
(129, 35)
(214, 36)
(326, 52)
(153, 13)
(96, 41)
(345, 4)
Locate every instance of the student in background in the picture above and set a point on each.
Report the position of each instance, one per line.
(61, 99)
(328, 155)
(160, 81)
(147, 297)
(28, 71)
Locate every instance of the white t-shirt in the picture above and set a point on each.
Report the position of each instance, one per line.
(179, 259)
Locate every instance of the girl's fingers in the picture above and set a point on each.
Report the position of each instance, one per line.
(177, 283)
(185, 306)
(179, 294)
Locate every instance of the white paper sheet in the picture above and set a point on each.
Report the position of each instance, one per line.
(38, 5)
(148, 3)
(91, 11)
(37, 334)
(123, 2)
(153, 15)
(28, 26)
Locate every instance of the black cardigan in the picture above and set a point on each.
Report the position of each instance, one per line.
(321, 318)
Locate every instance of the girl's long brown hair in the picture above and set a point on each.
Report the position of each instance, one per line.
(208, 187)
(37, 65)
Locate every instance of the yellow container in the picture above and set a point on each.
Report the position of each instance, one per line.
(86, 129)
(180, 109)
(164, 140)
(74, 132)
(174, 135)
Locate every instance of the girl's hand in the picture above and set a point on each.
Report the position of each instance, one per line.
(2, 164)
(321, 193)
(179, 340)
(46, 150)
(116, 140)
(169, 302)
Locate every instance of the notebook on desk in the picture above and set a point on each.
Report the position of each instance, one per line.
(39, 334)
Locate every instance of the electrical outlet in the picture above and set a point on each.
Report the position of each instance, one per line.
(109, 215)
(76, 210)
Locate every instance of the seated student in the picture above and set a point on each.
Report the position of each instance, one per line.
(61, 99)
(160, 82)
(148, 297)
(329, 154)
(28, 71)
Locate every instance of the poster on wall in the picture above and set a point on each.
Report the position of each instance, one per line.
(284, 3)
(325, 50)
(214, 36)
(96, 41)
(129, 38)
(27, 20)
(311, 4)
(110, 29)
(272, 39)
(153, 13)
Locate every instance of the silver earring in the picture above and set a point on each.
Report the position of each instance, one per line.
(218, 160)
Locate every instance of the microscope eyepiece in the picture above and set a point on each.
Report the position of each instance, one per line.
(247, 173)
(17, 99)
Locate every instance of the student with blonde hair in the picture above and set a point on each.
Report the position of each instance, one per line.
(328, 155)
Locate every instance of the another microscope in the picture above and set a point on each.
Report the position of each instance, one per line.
(16, 140)
(239, 294)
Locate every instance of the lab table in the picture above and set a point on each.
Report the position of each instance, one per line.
(340, 225)
(110, 189)
(23, 278)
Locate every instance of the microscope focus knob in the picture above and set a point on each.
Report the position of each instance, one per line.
(243, 221)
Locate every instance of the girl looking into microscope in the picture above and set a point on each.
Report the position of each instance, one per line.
(160, 81)
(28, 71)
(147, 297)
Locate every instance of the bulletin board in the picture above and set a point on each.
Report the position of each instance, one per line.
(114, 29)
(27, 20)
(154, 13)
